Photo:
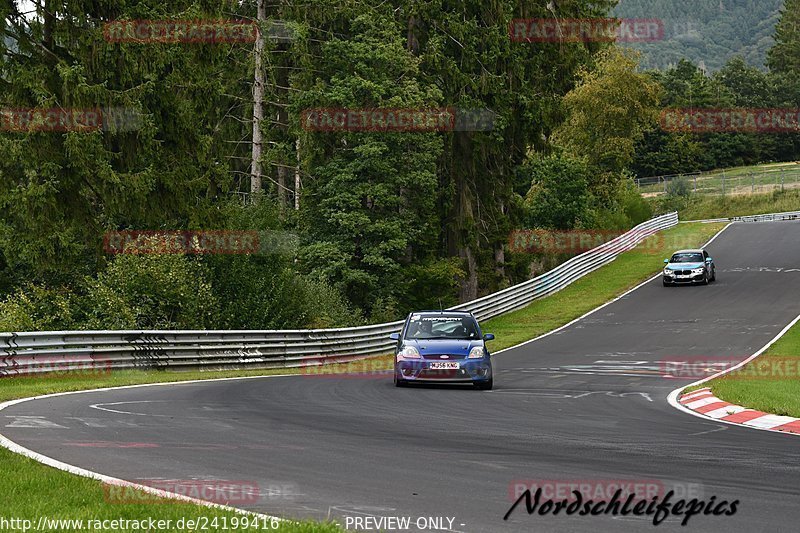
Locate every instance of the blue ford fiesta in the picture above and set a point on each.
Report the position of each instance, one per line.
(444, 347)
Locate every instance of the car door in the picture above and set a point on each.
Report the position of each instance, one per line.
(709, 266)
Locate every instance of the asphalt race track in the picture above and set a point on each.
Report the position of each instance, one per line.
(586, 403)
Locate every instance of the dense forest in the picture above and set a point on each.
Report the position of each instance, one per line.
(705, 32)
(380, 222)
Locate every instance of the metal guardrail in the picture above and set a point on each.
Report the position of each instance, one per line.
(769, 217)
(99, 351)
(790, 215)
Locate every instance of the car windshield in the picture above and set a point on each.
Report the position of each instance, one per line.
(693, 257)
(442, 327)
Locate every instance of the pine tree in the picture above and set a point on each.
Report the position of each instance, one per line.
(784, 57)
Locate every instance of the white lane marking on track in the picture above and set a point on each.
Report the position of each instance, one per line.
(33, 422)
(620, 363)
(89, 422)
(100, 407)
(760, 269)
(720, 232)
(564, 372)
(719, 428)
(101, 423)
(561, 394)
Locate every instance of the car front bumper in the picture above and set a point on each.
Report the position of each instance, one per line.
(683, 279)
(469, 371)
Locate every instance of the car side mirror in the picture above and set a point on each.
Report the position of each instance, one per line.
(395, 336)
(709, 260)
(666, 261)
(488, 337)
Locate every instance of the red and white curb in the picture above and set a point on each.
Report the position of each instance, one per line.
(703, 402)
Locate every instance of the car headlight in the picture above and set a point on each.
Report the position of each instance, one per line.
(476, 353)
(409, 352)
(698, 270)
(668, 272)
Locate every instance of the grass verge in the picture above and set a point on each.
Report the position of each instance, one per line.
(31, 490)
(700, 207)
(769, 383)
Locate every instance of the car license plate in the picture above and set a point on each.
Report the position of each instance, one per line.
(444, 366)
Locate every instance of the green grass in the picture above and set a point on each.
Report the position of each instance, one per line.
(788, 168)
(22, 387)
(739, 180)
(627, 271)
(701, 207)
(30, 489)
(769, 383)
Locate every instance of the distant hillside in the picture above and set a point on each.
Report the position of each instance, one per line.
(710, 31)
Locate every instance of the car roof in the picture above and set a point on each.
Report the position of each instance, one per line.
(690, 251)
(442, 312)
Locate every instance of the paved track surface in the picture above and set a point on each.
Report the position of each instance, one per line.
(587, 403)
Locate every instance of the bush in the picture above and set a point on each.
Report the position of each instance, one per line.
(559, 196)
(627, 208)
(680, 187)
(264, 292)
(424, 286)
(636, 208)
(256, 293)
(37, 308)
(327, 306)
(151, 292)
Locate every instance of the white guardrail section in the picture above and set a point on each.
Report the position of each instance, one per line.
(96, 351)
(770, 217)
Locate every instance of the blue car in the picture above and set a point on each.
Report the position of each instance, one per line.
(442, 347)
(689, 266)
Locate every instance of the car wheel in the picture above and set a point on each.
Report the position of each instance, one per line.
(713, 274)
(705, 278)
(484, 385)
(665, 283)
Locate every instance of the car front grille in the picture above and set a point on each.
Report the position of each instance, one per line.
(438, 357)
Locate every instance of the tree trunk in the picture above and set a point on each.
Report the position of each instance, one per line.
(282, 187)
(499, 250)
(469, 289)
(462, 217)
(297, 177)
(258, 99)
